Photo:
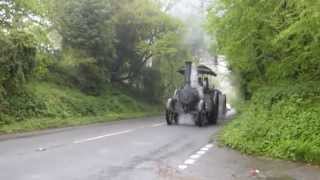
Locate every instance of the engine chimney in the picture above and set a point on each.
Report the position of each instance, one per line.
(187, 72)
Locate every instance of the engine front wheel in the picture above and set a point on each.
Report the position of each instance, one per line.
(171, 117)
(176, 118)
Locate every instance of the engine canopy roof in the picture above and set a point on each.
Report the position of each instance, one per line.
(202, 70)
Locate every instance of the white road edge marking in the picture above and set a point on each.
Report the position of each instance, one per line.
(182, 167)
(201, 152)
(158, 125)
(209, 146)
(189, 161)
(195, 156)
(204, 149)
(192, 159)
(103, 136)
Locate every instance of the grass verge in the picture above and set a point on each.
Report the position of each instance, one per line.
(281, 122)
(47, 105)
(49, 123)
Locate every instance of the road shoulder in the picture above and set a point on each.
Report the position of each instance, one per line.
(223, 163)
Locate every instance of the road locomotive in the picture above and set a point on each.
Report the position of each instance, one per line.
(196, 98)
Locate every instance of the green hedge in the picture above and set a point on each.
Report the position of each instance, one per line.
(281, 121)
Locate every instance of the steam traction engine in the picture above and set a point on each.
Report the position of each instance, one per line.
(195, 97)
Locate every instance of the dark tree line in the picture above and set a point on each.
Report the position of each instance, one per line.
(90, 43)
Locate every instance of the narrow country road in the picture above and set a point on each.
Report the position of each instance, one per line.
(141, 149)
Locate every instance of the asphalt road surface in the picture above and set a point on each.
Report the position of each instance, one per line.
(140, 149)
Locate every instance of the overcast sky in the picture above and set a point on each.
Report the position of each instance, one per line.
(193, 15)
(185, 9)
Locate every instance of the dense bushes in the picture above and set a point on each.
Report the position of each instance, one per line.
(268, 41)
(273, 47)
(76, 70)
(281, 121)
(17, 60)
(47, 105)
(47, 100)
(67, 102)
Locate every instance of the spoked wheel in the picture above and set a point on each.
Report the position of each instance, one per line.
(215, 111)
(224, 106)
(171, 117)
(176, 118)
(211, 106)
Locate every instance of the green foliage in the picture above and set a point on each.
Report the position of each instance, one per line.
(151, 88)
(50, 101)
(172, 53)
(267, 41)
(281, 121)
(87, 25)
(19, 14)
(120, 35)
(120, 38)
(66, 102)
(17, 60)
(75, 69)
(43, 62)
(140, 28)
(273, 46)
(89, 47)
(46, 123)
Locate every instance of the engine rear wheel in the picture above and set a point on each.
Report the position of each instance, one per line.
(215, 109)
(224, 105)
(201, 119)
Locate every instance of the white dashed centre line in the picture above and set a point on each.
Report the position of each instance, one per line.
(158, 125)
(103, 136)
